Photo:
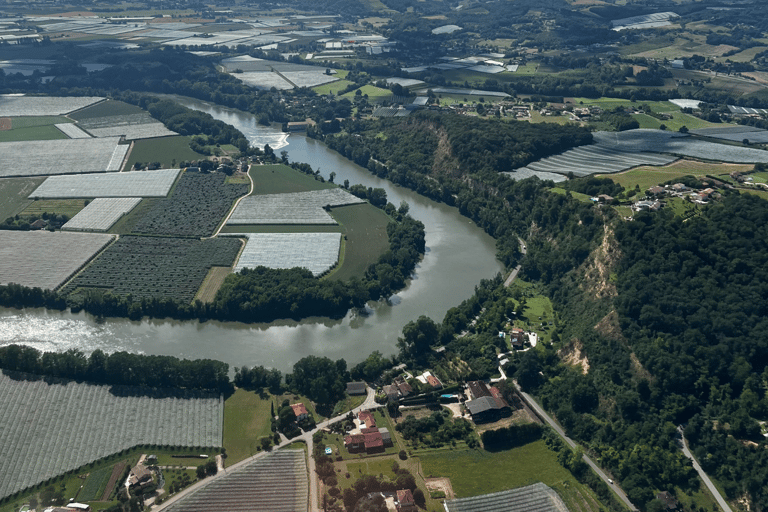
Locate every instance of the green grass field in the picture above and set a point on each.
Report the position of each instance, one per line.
(648, 176)
(246, 420)
(375, 94)
(13, 194)
(475, 472)
(34, 128)
(365, 231)
(168, 459)
(280, 179)
(68, 207)
(333, 87)
(106, 108)
(169, 151)
(584, 198)
(95, 484)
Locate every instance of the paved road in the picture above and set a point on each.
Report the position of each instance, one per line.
(369, 403)
(718, 497)
(542, 414)
(514, 273)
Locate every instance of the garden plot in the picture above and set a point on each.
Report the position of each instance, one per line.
(101, 214)
(156, 267)
(735, 133)
(292, 208)
(49, 429)
(275, 482)
(112, 184)
(65, 156)
(72, 131)
(317, 252)
(42, 259)
(17, 106)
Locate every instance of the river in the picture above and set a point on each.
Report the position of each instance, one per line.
(458, 256)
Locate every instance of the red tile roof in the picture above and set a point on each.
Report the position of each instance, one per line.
(404, 497)
(369, 430)
(299, 409)
(354, 439)
(367, 418)
(373, 440)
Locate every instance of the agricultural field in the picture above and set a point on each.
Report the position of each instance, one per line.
(197, 205)
(15, 106)
(34, 128)
(537, 497)
(332, 88)
(212, 283)
(156, 267)
(72, 131)
(106, 109)
(280, 179)
(101, 214)
(132, 126)
(317, 252)
(475, 472)
(95, 484)
(167, 151)
(99, 420)
(275, 482)
(365, 239)
(13, 194)
(68, 207)
(43, 259)
(246, 420)
(375, 94)
(68, 156)
(291, 208)
(646, 177)
(735, 134)
(114, 184)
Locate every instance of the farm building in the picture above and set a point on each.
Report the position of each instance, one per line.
(537, 497)
(487, 403)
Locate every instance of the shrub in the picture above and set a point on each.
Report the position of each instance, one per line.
(402, 455)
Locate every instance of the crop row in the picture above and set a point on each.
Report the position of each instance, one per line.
(587, 160)
(149, 267)
(48, 429)
(197, 205)
(276, 482)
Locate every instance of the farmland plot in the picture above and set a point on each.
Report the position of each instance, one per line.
(198, 204)
(291, 208)
(153, 267)
(316, 252)
(101, 214)
(131, 126)
(72, 131)
(114, 184)
(276, 482)
(15, 106)
(49, 429)
(532, 498)
(66, 156)
(308, 78)
(735, 133)
(43, 259)
(264, 80)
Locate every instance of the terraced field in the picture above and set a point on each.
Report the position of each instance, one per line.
(276, 482)
(50, 428)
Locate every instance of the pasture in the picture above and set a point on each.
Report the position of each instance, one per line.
(212, 283)
(375, 94)
(475, 472)
(168, 151)
(246, 420)
(280, 179)
(648, 176)
(33, 128)
(105, 109)
(13, 194)
(365, 239)
(332, 88)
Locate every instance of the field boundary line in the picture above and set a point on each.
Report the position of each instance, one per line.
(232, 210)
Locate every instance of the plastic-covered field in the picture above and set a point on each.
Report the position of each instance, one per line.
(533, 498)
(43, 259)
(275, 482)
(735, 133)
(316, 252)
(65, 156)
(112, 184)
(15, 106)
(131, 126)
(586, 160)
(101, 214)
(72, 131)
(291, 208)
(309, 78)
(263, 80)
(49, 429)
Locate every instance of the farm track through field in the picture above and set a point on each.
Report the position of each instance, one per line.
(117, 472)
(212, 283)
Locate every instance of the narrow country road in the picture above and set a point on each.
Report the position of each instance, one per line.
(546, 417)
(513, 275)
(718, 497)
(369, 403)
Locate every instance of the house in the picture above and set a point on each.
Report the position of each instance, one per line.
(487, 408)
(605, 198)
(656, 190)
(357, 388)
(374, 443)
(405, 501)
(646, 206)
(298, 126)
(434, 381)
(392, 392)
(366, 417)
(679, 187)
(517, 337)
(38, 224)
(300, 411)
(139, 475)
(477, 389)
(404, 388)
(355, 443)
(669, 501)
